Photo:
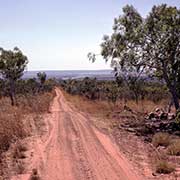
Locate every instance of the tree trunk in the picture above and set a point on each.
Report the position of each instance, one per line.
(172, 87)
(136, 97)
(12, 92)
(174, 96)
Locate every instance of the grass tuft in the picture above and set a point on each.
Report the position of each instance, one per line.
(161, 139)
(35, 175)
(174, 148)
(164, 167)
(19, 151)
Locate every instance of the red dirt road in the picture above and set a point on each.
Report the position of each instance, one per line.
(75, 150)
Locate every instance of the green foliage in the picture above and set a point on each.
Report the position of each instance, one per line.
(146, 45)
(87, 87)
(135, 86)
(178, 118)
(42, 77)
(27, 87)
(12, 66)
(112, 91)
(12, 63)
(115, 90)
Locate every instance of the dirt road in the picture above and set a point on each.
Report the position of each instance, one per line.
(75, 150)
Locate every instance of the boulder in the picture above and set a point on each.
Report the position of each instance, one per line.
(157, 110)
(163, 116)
(171, 116)
(153, 116)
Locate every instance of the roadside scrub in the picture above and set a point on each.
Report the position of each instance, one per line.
(15, 124)
(163, 167)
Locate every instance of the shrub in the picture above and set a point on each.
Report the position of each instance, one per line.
(161, 139)
(12, 125)
(113, 90)
(19, 151)
(20, 168)
(164, 167)
(174, 148)
(178, 118)
(35, 175)
(12, 119)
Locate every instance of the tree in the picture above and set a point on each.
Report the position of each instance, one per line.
(89, 88)
(12, 65)
(113, 93)
(42, 78)
(135, 86)
(146, 45)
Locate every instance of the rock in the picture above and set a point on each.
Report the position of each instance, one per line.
(177, 133)
(147, 139)
(131, 130)
(154, 174)
(171, 116)
(152, 115)
(125, 125)
(146, 130)
(163, 116)
(157, 110)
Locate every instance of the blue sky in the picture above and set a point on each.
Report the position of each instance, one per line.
(57, 35)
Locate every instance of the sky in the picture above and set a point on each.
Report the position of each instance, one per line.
(58, 34)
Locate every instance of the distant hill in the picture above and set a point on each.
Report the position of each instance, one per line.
(74, 74)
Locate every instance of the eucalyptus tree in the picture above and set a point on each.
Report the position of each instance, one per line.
(42, 79)
(146, 45)
(12, 65)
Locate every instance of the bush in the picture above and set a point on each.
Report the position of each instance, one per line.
(178, 118)
(12, 125)
(19, 151)
(35, 175)
(111, 90)
(161, 139)
(164, 167)
(12, 119)
(174, 148)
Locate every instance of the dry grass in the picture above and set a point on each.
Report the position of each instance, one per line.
(12, 124)
(12, 119)
(145, 106)
(15, 125)
(103, 108)
(19, 151)
(20, 169)
(163, 167)
(174, 148)
(35, 175)
(35, 104)
(97, 108)
(161, 139)
(105, 112)
(108, 115)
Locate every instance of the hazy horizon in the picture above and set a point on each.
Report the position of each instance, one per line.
(57, 35)
(73, 74)
(46, 70)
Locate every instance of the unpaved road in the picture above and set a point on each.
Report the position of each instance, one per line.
(75, 150)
